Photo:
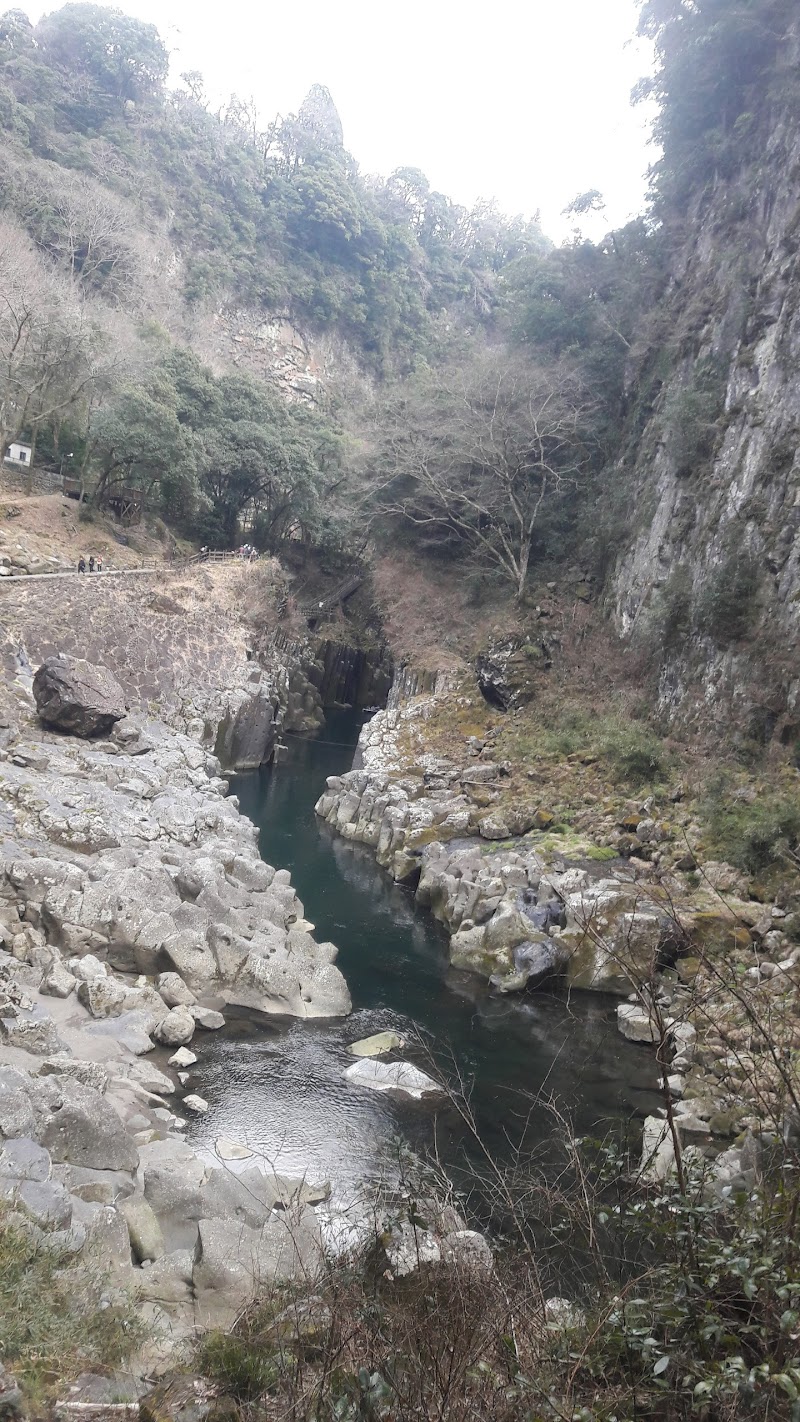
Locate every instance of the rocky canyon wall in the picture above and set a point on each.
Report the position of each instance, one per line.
(710, 571)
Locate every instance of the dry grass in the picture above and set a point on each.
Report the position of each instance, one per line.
(47, 525)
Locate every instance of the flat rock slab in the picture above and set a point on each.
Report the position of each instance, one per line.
(231, 1150)
(377, 1045)
(400, 1077)
(24, 1159)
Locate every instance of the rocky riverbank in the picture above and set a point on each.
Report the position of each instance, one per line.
(709, 978)
(134, 909)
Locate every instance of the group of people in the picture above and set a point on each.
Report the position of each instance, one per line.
(95, 564)
(248, 552)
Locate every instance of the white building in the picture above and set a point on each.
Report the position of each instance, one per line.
(18, 454)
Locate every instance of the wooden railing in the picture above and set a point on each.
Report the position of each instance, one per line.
(327, 604)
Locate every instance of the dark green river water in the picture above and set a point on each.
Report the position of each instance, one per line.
(278, 1086)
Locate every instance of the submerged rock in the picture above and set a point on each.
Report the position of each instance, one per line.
(376, 1045)
(231, 1150)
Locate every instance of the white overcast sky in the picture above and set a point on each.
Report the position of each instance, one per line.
(525, 101)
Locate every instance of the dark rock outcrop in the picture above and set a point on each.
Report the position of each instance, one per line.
(245, 735)
(534, 963)
(507, 672)
(72, 695)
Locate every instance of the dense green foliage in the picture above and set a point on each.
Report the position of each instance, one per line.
(278, 219)
(754, 834)
(720, 64)
(214, 454)
(142, 202)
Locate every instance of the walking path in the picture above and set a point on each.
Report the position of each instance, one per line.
(179, 566)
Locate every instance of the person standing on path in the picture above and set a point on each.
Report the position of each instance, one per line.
(81, 564)
(98, 567)
(91, 562)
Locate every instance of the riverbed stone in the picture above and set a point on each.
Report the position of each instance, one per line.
(46, 1202)
(232, 1150)
(636, 1024)
(176, 1028)
(468, 1251)
(87, 968)
(169, 1280)
(79, 1126)
(400, 1077)
(658, 1150)
(183, 1058)
(377, 1045)
(147, 1240)
(58, 982)
(147, 1076)
(408, 1248)
(16, 1112)
(24, 1159)
(234, 1263)
(131, 1030)
(104, 997)
(174, 990)
(37, 1035)
(207, 1018)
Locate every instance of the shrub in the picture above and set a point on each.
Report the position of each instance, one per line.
(691, 418)
(727, 606)
(636, 753)
(753, 837)
(240, 1363)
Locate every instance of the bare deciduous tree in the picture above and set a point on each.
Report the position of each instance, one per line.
(475, 455)
(87, 230)
(49, 342)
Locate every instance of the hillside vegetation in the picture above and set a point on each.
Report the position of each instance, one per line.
(616, 415)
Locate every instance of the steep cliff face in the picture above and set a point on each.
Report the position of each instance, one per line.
(711, 574)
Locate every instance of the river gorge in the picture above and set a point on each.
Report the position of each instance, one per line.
(278, 1087)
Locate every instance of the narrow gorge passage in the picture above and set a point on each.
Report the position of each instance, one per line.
(279, 1087)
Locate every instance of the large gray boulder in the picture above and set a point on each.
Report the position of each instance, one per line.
(37, 1035)
(234, 1263)
(77, 1124)
(147, 1241)
(16, 1111)
(246, 731)
(75, 696)
(23, 1159)
(176, 1028)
